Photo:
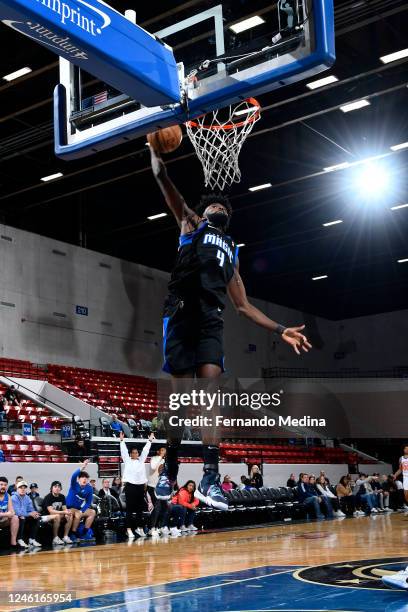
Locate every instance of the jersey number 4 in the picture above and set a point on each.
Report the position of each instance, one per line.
(221, 257)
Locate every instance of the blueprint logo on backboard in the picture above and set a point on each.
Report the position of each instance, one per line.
(69, 16)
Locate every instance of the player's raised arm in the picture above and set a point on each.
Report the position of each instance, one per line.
(186, 218)
(238, 296)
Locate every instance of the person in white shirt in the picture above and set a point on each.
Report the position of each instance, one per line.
(153, 472)
(134, 477)
(324, 490)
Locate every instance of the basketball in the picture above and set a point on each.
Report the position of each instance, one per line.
(166, 140)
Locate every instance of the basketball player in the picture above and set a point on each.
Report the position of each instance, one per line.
(400, 579)
(206, 270)
(403, 469)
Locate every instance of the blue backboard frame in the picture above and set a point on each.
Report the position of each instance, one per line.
(215, 92)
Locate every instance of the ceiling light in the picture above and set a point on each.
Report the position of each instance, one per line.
(332, 223)
(259, 187)
(320, 277)
(241, 245)
(51, 177)
(247, 24)
(346, 108)
(322, 82)
(337, 167)
(402, 260)
(17, 74)
(372, 180)
(159, 216)
(398, 147)
(399, 206)
(246, 111)
(393, 57)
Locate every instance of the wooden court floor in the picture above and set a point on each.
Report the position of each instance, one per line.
(101, 569)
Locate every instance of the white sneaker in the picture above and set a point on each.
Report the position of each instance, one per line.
(57, 541)
(388, 510)
(405, 508)
(22, 544)
(183, 528)
(374, 510)
(139, 531)
(67, 540)
(175, 532)
(130, 534)
(360, 513)
(155, 533)
(34, 543)
(192, 528)
(398, 580)
(164, 531)
(380, 509)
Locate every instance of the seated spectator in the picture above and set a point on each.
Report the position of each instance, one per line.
(383, 496)
(3, 415)
(79, 500)
(8, 517)
(307, 494)
(92, 482)
(117, 485)
(183, 509)
(255, 477)
(324, 490)
(11, 397)
(33, 491)
(28, 517)
(346, 497)
(159, 519)
(323, 473)
(13, 488)
(244, 484)
(107, 490)
(116, 426)
(79, 451)
(55, 510)
(228, 484)
(364, 493)
(291, 482)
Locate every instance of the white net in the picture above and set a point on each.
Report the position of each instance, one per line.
(218, 138)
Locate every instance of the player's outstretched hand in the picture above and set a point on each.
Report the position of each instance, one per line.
(121, 436)
(152, 437)
(294, 337)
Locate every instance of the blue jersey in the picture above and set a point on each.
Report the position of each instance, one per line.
(79, 497)
(4, 503)
(204, 267)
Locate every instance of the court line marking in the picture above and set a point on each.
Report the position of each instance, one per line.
(211, 586)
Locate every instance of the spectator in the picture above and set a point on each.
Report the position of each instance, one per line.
(134, 477)
(346, 497)
(11, 397)
(55, 510)
(92, 482)
(8, 517)
(160, 516)
(24, 509)
(183, 509)
(117, 485)
(244, 484)
(3, 415)
(116, 426)
(383, 496)
(153, 472)
(291, 482)
(307, 495)
(364, 493)
(107, 490)
(79, 450)
(13, 488)
(228, 484)
(33, 491)
(389, 484)
(79, 500)
(323, 473)
(255, 477)
(324, 490)
(2, 457)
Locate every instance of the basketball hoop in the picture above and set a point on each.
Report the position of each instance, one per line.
(218, 137)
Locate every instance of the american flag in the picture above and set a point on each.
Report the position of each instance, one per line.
(100, 97)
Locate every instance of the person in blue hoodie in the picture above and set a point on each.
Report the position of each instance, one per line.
(79, 500)
(28, 517)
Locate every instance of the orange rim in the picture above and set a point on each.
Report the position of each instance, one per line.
(230, 126)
